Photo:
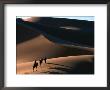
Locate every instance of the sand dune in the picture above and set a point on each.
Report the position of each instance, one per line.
(83, 37)
(61, 59)
(40, 46)
(61, 65)
(67, 50)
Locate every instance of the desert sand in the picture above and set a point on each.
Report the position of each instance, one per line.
(60, 59)
(61, 65)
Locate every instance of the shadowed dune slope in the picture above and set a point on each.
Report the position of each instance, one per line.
(82, 37)
(68, 51)
(40, 46)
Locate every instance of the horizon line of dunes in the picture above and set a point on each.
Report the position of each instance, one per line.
(74, 32)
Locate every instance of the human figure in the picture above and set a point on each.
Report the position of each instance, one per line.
(35, 65)
(45, 59)
(40, 61)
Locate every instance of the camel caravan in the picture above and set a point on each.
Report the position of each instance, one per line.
(35, 65)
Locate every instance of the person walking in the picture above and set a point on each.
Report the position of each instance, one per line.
(35, 65)
(40, 61)
(45, 59)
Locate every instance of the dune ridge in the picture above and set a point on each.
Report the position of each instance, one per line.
(69, 50)
(61, 59)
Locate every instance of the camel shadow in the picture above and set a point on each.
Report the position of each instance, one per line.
(53, 72)
(60, 65)
(83, 67)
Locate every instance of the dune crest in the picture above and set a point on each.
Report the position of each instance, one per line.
(40, 46)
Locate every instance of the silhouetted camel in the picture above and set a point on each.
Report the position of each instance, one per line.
(40, 61)
(35, 65)
(45, 59)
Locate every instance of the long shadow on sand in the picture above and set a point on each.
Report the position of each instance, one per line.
(66, 70)
(51, 72)
(83, 67)
(60, 65)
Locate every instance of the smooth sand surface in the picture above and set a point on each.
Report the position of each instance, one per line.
(61, 59)
(54, 65)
